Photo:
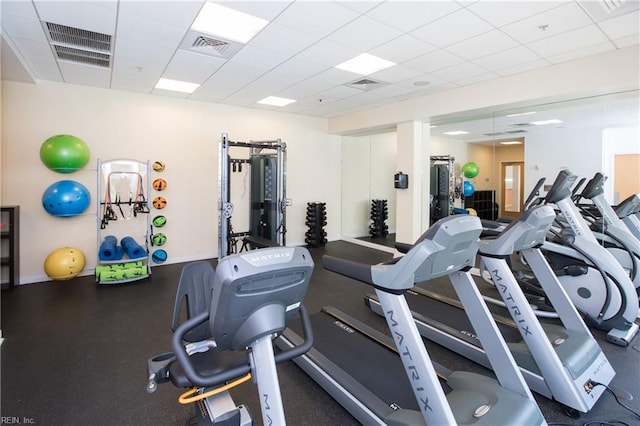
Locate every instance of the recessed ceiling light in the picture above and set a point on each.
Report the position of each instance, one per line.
(544, 122)
(176, 85)
(276, 101)
(456, 133)
(520, 113)
(510, 143)
(227, 23)
(365, 64)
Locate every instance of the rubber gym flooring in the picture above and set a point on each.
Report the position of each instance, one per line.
(75, 353)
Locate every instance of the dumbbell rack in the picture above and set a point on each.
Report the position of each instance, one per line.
(379, 216)
(316, 221)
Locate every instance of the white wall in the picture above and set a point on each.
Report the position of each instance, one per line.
(368, 167)
(183, 134)
(546, 153)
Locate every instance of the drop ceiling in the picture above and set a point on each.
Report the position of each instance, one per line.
(436, 46)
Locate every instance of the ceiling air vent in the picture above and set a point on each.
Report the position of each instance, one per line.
(511, 132)
(494, 134)
(365, 84)
(80, 46)
(210, 45)
(203, 44)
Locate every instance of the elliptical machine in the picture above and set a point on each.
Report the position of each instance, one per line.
(592, 277)
(610, 230)
(234, 315)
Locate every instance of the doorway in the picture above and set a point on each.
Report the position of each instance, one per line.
(512, 194)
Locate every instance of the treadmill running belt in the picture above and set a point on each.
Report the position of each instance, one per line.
(376, 367)
(452, 316)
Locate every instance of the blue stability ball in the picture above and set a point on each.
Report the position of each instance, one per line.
(468, 189)
(66, 198)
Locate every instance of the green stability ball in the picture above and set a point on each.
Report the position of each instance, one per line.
(470, 170)
(64, 153)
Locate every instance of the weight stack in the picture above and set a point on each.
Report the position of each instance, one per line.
(379, 216)
(316, 221)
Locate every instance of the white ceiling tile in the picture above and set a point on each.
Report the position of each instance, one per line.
(97, 17)
(282, 39)
(394, 74)
(402, 49)
(18, 8)
(83, 74)
(315, 18)
(317, 83)
(515, 69)
(393, 90)
(499, 13)
(483, 45)
(566, 42)
(627, 41)
(192, 67)
(363, 34)
(432, 79)
(258, 59)
(148, 31)
(458, 26)
(592, 49)
(461, 71)
(39, 58)
(328, 53)
(339, 92)
(621, 26)
(408, 15)
(507, 58)
(547, 24)
(433, 61)
(142, 82)
(476, 79)
(361, 6)
(176, 13)
(24, 27)
(136, 54)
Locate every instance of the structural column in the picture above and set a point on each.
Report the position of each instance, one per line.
(409, 208)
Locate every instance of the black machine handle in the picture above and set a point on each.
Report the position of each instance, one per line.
(348, 268)
(533, 194)
(561, 187)
(594, 186)
(207, 381)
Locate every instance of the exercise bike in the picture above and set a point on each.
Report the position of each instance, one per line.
(234, 314)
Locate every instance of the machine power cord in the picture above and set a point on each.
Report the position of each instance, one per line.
(603, 422)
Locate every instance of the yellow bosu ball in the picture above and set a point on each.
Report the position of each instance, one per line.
(64, 263)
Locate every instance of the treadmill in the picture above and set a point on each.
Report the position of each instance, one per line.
(561, 362)
(391, 380)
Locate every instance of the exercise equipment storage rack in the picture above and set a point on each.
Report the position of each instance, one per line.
(123, 223)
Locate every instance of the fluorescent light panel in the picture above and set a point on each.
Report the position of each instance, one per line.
(227, 23)
(276, 101)
(520, 113)
(176, 85)
(456, 133)
(511, 143)
(545, 122)
(365, 64)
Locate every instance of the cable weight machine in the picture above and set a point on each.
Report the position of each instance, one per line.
(267, 202)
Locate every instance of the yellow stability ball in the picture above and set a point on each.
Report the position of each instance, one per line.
(64, 263)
